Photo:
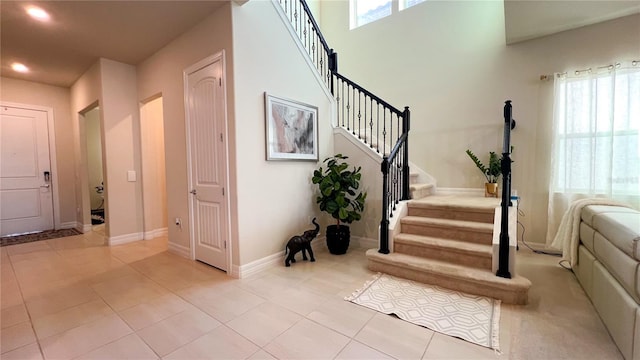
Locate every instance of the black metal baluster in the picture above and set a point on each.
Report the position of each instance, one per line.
(343, 104)
(348, 107)
(395, 183)
(359, 114)
(384, 130)
(364, 120)
(391, 142)
(371, 123)
(378, 127)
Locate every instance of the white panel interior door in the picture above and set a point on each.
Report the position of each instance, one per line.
(208, 163)
(26, 202)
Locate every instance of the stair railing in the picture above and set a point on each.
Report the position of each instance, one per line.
(365, 115)
(503, 247)
(304, 24)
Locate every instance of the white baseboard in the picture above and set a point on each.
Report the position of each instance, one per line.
(152, 234)
(179, 250)
(270, 261)
(69, 225)
(257, 266)
(277, 259)
(125, 239)
(84, 228)
(363, 242)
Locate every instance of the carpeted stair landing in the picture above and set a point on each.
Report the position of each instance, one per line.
(447, 241)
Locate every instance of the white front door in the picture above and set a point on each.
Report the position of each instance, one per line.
(26, 202)
(206, 117)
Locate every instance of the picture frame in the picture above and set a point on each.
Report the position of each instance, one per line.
(291, 129)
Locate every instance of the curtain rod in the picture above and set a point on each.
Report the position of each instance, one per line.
(547, 77)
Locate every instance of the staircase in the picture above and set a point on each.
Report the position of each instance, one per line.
(447, 241)
(444, 241)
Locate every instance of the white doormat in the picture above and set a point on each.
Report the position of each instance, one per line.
(472, 318)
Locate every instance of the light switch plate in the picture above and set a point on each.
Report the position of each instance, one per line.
(131, 175)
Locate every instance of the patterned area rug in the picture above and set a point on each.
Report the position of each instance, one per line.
(468, 317)
(43, 235)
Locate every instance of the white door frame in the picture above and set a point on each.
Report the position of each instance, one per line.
(220, 56)
(52, 156)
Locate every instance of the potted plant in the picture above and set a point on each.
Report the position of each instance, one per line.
(491, 172)
(338, 185)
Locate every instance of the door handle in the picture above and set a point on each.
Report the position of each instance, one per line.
(45, 186)
(193, 191)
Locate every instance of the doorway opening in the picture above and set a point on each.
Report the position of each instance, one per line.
(95, 168)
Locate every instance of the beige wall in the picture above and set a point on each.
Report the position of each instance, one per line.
(162, 73)
(153, 168)
(448, 61)
(275, 198)
(57, 98)
(121, 131)
(371, 183)
(86, 93)
(112, 85)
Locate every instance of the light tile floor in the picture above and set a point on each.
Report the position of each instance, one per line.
(76, 298)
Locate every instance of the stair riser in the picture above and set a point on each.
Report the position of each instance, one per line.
(452, 215)
(517, 297)
(461, 234)
(429, 252)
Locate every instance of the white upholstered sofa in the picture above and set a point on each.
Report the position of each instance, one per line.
(608, 268)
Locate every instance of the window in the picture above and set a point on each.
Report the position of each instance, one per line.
(366, 11)
(405, 4)
(597, 145)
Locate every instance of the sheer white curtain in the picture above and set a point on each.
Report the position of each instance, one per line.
(596, 147)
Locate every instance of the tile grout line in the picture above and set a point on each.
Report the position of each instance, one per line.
(24, 304)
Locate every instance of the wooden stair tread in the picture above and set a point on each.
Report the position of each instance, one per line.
(429, 204)
(420, 186)
(452, 271)
(448, 223)
(451, 245)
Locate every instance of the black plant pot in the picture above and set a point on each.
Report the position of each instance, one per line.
(338, 238)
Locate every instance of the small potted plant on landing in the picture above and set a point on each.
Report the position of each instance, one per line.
(491, 172)
(338, 185)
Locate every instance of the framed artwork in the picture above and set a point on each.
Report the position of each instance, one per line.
(292, 129)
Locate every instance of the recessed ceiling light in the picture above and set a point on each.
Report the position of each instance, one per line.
(19, 68)
(38, 13)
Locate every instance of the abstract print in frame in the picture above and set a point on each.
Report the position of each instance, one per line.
(292, 129)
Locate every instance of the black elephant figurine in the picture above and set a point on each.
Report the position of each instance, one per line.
(301, 243)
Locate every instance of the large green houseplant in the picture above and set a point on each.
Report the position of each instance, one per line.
(339, 197)
(491, 171)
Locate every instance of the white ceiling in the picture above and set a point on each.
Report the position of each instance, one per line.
(529, 19)
(80, 32)
(59, 51)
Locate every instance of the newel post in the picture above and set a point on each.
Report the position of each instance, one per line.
(405, 168)
(384, 223)
(503, 249)
(333, 69)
